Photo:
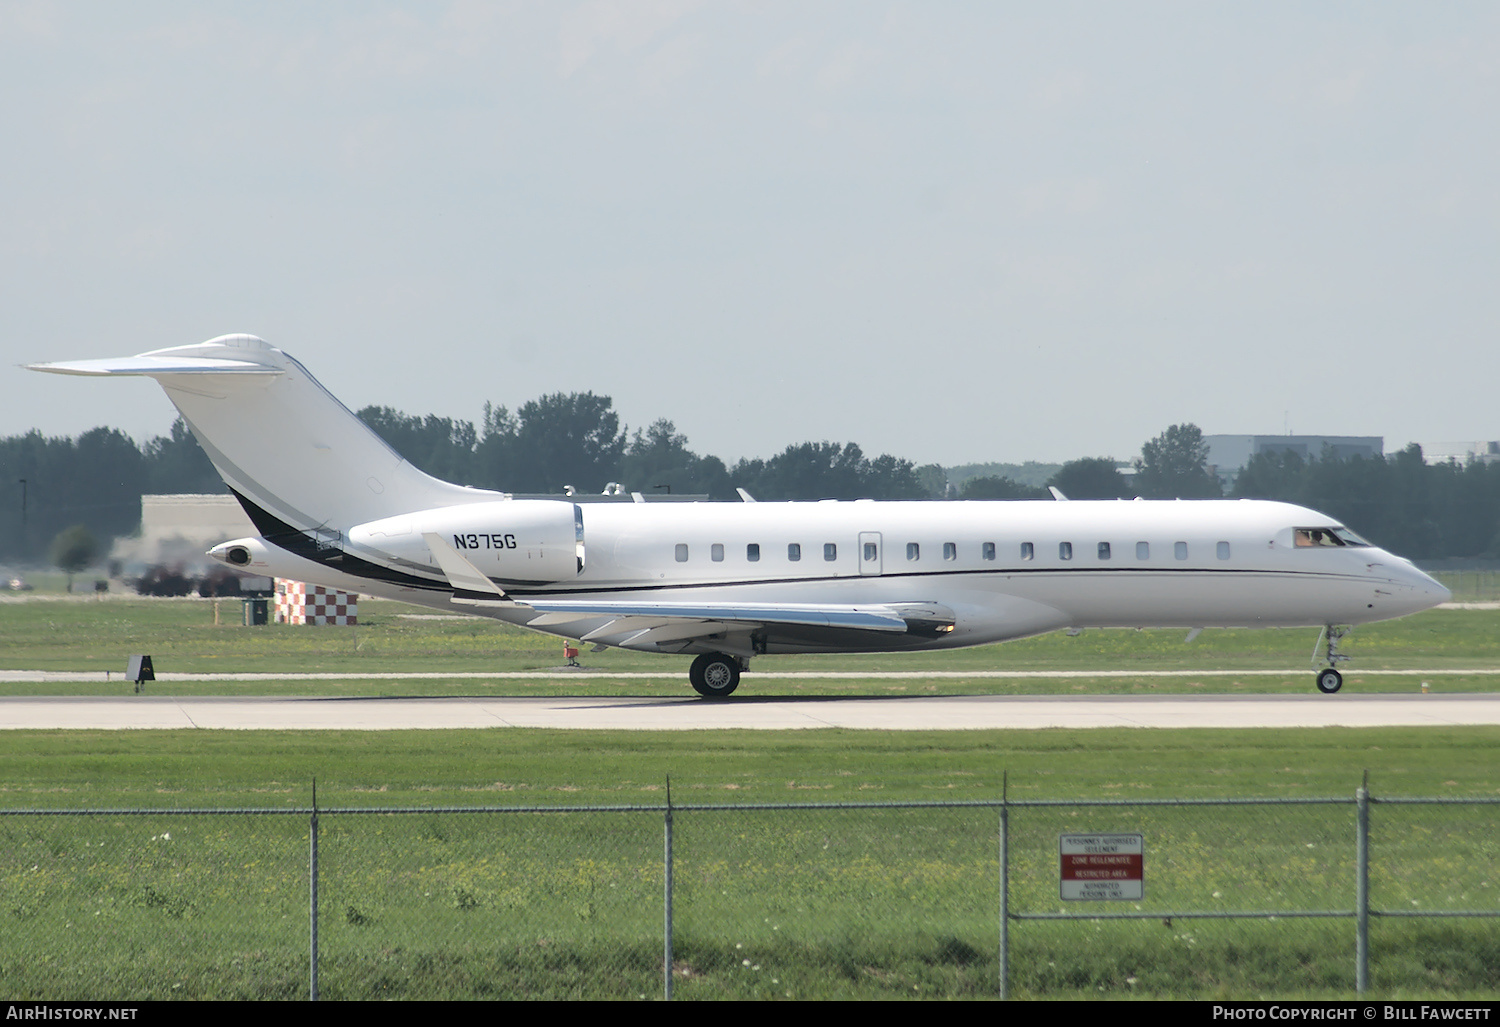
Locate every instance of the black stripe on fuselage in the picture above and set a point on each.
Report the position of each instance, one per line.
(299, 543)
(604, 589)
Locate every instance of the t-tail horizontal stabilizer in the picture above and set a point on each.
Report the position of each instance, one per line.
(148, 365)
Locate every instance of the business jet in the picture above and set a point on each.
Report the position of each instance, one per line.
(727, 582)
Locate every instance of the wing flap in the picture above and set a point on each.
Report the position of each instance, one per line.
(631, 631)
(676, 633)
(620, 626)
(865, 618)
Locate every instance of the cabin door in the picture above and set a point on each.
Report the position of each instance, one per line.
(869, 552)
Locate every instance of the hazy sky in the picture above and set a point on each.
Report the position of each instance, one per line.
(949, 231)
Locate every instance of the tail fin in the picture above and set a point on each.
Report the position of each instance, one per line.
(281, 441)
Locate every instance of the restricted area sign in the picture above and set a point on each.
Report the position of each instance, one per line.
(1102, 866)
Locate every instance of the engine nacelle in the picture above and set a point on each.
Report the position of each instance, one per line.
(249, 556)
(518, 541)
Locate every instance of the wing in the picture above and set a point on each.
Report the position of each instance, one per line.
(657, 625)
(745, 627)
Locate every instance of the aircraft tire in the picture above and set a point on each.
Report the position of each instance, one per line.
(714, 675)
(1329, 681)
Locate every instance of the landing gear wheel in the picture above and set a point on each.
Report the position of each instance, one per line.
(715, 675)
(1329, 681)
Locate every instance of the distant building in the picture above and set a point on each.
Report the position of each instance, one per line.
(177, 531)
(1463, 452)
(1228, 454)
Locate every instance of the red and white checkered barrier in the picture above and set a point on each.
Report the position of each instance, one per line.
(300, 603)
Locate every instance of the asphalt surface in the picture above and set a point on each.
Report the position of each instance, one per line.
(948, 713)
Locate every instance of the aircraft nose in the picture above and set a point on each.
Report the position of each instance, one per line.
(1436, 591)
(1405, 589)
(1426, 591)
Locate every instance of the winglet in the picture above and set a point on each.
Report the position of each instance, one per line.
(745, 497)
(1057, 493)
(467, 580)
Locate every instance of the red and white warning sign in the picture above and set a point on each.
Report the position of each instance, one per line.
(1102, 866)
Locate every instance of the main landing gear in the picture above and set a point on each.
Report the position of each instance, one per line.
(715, 675)
(1329, 680)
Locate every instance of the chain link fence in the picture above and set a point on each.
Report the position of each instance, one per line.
(1240, 898)
(1472, 584)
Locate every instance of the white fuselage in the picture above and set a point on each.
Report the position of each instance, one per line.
(942, 552)
(1005, 569)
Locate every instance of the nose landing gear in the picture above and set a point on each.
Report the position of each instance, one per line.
(1329, 680)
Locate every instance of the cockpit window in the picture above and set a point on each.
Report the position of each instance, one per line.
(1327, 538)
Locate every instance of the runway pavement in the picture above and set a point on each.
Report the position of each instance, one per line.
(948, 713)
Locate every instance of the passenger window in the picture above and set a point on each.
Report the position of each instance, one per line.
(913, 551)
(794, 551)
(950, 550)
(682, 552)
(830, 551)
(1223, 548)
(871, 552)
(1028, 551)
(1179, 550)
(752, 552)
(988, 550)
(716, 552)
(1065, 550)
(1143, 550)
(1104, 550)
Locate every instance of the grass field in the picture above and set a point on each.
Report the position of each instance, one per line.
(806, 903)
(111, 769)
(88, 635)
(802, 904)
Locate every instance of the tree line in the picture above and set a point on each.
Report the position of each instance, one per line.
(576, 439)
(1399, 502)
(95, 480)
